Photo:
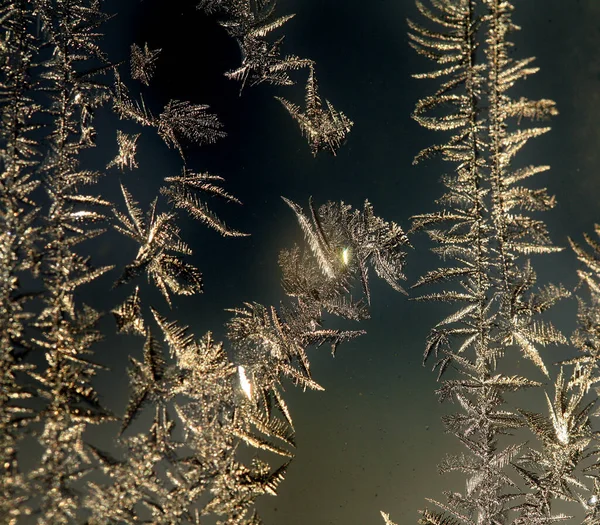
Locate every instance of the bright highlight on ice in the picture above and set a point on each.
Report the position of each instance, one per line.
(346, 255)
(244, 383)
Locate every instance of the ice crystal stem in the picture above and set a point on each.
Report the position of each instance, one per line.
(68, 330)
(17, 252)
(479, 232)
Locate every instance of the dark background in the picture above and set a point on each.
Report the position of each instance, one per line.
(373, 439)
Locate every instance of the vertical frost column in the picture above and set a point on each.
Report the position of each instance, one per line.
(462, 231)
(515, 233)
(18, 154)
(478, 230)
(69, 28)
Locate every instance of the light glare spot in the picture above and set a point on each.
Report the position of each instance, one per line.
(562, 434)
(346, 255)
(244, 383)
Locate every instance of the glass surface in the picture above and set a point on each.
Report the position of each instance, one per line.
(373, 438)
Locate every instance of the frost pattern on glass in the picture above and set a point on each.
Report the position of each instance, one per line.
(324, 128)
(127, 151)
(221, 404)
(250, 22)
(143, 61)
(185, 467)
(50, 63)
(485, 232)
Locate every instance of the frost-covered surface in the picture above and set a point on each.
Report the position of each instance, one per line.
(517, 463)
(55, 75)
(213, 401)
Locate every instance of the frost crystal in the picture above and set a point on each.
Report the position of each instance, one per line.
(157, 236)
(127, 149)
(143, 63)
(250, 22)
(323, 127)
(487, 228)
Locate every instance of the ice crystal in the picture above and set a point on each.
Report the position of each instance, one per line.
(386, 518)
(262, 62)
(250, 22)
(324, 128)
(184, 192)
(485, 228)
(343, 241)
(192, 121)
(143, 63)
(179, 119)
(157, 236)
(127, 150)
(128, 315)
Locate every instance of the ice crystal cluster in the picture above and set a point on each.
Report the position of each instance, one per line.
(54, 76)
(206, 405)
(517, 464)
(324, 128)
(249, 22)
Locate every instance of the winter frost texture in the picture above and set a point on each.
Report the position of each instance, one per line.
(206, 406)
(517, 463)
(54, 76)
